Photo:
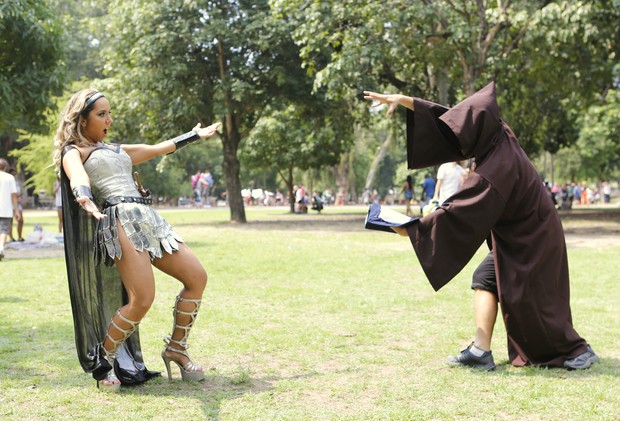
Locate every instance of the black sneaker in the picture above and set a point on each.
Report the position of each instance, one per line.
(466, 359)
(583, 361)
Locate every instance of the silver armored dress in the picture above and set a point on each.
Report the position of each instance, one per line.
(116, 194)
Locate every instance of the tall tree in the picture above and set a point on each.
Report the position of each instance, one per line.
(174, 63)
(438, 50)
(300, 137)
(429, 48)
(596, 154)
(33, 151)
(547, 56)
(31, 64)
(82, 49)
(563, 66)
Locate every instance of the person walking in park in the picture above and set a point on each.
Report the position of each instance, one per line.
(529, 250)
(449, 179)
(606, 188)
(58, 203)
(428, 191)
(206, 185)
(407, 192)
(8, 203)
(105, 211)
(20, 208)
(196, 188)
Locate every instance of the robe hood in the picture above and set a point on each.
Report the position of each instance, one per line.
(475, 122)
(469, 129)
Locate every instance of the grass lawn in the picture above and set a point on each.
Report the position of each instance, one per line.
(308, 317)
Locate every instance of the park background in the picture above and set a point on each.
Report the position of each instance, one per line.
(311, 318)
(285, 79)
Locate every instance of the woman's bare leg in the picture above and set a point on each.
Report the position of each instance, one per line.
(59, 213)
(136, 273)
(20, 226)
(184, 266)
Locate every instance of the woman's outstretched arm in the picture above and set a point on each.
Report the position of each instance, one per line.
(142, 152)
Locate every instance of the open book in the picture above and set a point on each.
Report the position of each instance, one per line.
(383, 219)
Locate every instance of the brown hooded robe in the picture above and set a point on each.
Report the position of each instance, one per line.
(506, 198)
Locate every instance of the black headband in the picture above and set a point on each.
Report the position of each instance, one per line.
(90, 101)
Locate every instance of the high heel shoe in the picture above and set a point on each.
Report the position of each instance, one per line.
(110, 383)
(189, 371)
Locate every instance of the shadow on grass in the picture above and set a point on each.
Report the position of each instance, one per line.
(12, 300)
(605, 367)
(334, 223)
(592, 214)
(218, 389)
(213, 391)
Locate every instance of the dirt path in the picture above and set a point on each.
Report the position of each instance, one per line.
(591, 227)
(582, 227)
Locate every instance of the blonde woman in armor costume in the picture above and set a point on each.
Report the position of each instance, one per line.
(125, 232)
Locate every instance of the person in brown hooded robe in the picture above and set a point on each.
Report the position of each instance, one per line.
(504, 198)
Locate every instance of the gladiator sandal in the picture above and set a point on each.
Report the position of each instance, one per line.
(189, 371)
(111, 383)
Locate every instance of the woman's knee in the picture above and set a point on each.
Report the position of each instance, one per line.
(201, 279)
(141, 303)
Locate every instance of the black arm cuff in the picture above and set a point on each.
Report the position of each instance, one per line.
(82, 191)
(185, 139)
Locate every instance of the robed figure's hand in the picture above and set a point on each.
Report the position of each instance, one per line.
(391, 100)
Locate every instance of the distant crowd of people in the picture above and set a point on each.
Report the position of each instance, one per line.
(571, 193)
(202, 188)
(431, 191)
(14, 199)
(450, 177)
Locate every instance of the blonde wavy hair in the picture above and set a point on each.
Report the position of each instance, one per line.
(69, 130)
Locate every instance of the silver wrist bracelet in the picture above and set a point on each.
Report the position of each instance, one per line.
(82, 191)
(185, 139)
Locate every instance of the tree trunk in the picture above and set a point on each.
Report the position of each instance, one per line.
(374, 166)
(231, 170)
(230, 142)
(288, 180)
(341, 172)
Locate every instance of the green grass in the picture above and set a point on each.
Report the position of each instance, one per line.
(305, 318)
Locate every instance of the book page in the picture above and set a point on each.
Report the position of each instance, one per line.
(392, 216)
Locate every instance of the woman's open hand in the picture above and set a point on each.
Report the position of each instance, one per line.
(205, 132)
(90, 207)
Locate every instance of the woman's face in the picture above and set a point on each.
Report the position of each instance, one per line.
(95, 126)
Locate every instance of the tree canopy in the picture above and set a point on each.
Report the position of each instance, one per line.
(31, 64)
(285, 78)
(445, 50)
(175, 63)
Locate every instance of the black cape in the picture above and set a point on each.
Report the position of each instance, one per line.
(505, 198)
(96, 292)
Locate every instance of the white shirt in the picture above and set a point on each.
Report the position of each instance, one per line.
(58, 196)
(8, 187)
(450, 173)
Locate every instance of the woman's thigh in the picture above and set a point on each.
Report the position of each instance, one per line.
(184, 266)
(136, 272)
